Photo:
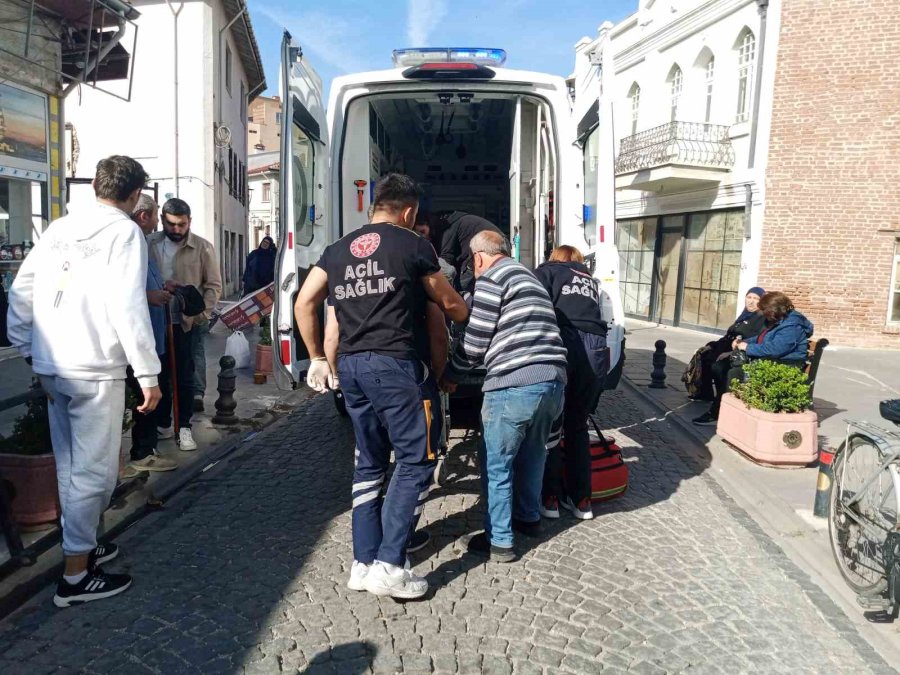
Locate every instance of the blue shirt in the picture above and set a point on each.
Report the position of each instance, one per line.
(155, 282)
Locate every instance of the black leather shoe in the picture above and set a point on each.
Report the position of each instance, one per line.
(527, 528)
(480, 545)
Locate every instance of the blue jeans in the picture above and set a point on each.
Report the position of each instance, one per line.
(393, 403)
(516, 423)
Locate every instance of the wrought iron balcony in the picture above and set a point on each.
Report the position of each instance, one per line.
(691, 145)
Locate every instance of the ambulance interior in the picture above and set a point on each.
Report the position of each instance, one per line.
(460, 146)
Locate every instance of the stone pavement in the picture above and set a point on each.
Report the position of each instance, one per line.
(245, 572)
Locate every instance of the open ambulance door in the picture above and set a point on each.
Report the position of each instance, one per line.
(515, 189)
(545, 207)
(302, 230)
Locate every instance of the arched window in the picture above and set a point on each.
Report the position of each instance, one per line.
(710, 76)
(676, 84)
(634, 96)
(746, 46)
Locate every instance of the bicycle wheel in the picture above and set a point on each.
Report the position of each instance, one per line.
(858, 530)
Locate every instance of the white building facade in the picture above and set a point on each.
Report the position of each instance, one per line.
(186, 121)
(686, 98)
(263, 178)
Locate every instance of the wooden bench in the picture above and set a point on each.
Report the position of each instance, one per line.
(813, 357)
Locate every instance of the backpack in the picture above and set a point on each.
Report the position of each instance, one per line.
(693, 373)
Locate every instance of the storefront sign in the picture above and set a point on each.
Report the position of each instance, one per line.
(23, 124)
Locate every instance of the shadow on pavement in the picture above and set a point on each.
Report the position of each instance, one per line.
(351, 658)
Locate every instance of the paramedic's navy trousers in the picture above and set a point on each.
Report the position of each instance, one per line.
(393, 403)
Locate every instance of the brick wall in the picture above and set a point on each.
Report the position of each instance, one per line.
(833, 179)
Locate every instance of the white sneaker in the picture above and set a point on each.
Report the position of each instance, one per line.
(385, 579)
(358, 574)
(186, 439)
(579, 513)
(165, 432)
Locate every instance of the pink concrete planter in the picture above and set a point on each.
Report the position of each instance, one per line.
(769, 438)
(36, 504)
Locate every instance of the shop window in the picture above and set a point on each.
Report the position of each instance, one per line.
(894, 306)
(746, 47)
(636, 242)
(23, 216)
(712, 268)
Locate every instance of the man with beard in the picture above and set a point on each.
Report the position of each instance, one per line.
(184, 260)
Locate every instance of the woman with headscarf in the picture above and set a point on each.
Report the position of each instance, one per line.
(784, 338)
(750, 322)
(259, 271)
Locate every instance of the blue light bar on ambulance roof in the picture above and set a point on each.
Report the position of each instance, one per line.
(405, 58)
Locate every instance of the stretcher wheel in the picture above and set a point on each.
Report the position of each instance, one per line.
(339, 404)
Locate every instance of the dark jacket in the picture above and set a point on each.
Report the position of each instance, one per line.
(461, 227)
(788, 340)
(574, 294)
(748, 328)
(260, 269)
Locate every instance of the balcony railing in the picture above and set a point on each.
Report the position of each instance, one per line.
(685, 143)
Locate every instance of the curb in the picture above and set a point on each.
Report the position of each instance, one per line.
(32, 585)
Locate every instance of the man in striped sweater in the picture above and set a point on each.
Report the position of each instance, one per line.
(513, 332)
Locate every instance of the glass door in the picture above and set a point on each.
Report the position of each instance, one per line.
(712, 268)
(668, 273)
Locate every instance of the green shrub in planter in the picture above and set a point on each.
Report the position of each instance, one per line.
(31, 432)
(773, 387)
(265, 334)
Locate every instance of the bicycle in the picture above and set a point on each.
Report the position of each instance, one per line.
(864, 511)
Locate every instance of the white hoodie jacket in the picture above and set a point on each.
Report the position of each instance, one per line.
(78, 306)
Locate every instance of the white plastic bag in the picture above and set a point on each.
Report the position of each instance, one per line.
(237, 347)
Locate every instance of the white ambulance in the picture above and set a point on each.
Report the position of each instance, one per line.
(479, 138)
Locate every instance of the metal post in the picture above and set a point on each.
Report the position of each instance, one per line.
(823, 484)
(226, 404)
(658, 375)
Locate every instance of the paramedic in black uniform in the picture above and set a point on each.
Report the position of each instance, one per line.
(576, 300)
(378, 278)
(458, 230)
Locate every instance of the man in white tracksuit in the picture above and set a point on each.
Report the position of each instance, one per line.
(78, 313)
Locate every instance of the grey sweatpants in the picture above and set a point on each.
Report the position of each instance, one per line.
(86, 431)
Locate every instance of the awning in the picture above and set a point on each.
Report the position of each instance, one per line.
(84, 13)
(588, 123)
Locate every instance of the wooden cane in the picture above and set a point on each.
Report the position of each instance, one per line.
(173, 372)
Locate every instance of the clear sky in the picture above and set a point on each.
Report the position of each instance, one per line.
(347, 36)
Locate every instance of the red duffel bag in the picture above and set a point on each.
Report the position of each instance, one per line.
(609, 474)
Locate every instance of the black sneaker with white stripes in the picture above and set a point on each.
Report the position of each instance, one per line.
(96, 585)
(102, 554)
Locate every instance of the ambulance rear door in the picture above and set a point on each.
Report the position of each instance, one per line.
(303, 207)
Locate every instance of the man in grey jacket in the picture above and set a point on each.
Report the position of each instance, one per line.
(78, 313)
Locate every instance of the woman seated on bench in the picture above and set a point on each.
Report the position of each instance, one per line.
(785, 338)
(749, 323)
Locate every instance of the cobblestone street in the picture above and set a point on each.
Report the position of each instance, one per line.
(246, 570)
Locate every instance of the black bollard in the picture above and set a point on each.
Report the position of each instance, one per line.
(226, 404)
(658, 375)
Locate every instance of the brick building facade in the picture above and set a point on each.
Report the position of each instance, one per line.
(832, 208)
